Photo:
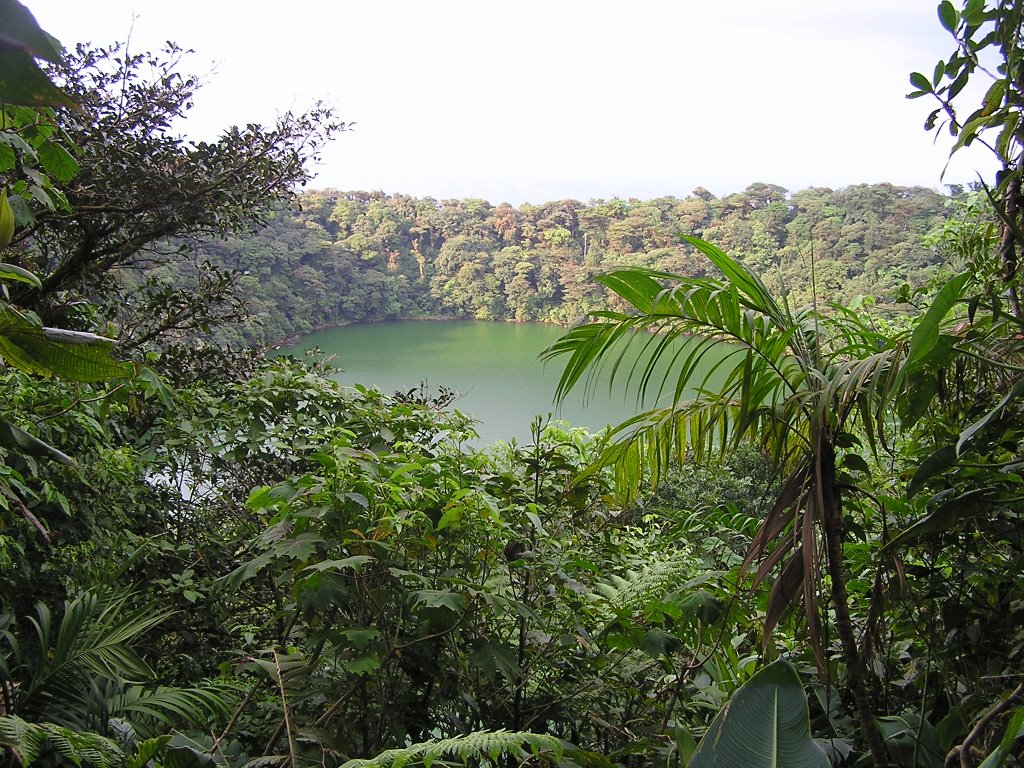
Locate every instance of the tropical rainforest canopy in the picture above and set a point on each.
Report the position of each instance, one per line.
(211, 557)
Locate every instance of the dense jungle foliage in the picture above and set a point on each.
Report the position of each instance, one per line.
(211, 558)
(335, 257)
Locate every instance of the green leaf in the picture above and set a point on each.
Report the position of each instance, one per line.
(17, 439)
(1015, 730)
(926, 333)
(360, 637)
(968, 435)
(911, 741)
(439, 598)
(57, 161)
(351, 563)
(495, 658)
(855, 462)
(948, 16)
(150, 383)
(764, 725)
(73, 355)
(14, 272)
(920, 82)
(974, 12)
(658, 643)
(363, 665)
(147, 750)
(912, 404)
(944, 517)
(7, 220)
(749, 284)
(940, 70)
(939, 461)
(22, 32)
(187, 757)
(23, 82)
(247, 570)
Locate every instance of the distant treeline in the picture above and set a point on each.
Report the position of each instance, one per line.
(340, 257)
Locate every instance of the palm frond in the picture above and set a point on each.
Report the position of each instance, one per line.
(169, 707)
(60, 678)
(95, 634)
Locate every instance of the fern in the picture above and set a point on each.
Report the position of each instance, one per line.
(633, 591)
(725, 525)
(479, 745)
(28, 741)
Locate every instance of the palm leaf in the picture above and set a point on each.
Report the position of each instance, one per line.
(168, 707)
(93, 641)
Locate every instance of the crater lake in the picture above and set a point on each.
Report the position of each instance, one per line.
(494, 366)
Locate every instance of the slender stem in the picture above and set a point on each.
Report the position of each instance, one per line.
(284, 706)
(963, 751)
(832, 530)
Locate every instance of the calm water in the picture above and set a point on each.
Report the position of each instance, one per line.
(494, 365)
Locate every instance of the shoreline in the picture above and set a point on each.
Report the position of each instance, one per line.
(292, 340)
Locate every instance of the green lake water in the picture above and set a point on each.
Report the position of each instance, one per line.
(494, 365)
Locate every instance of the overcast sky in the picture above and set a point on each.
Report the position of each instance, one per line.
(536, 100)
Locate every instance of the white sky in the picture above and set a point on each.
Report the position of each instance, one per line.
(536, 100)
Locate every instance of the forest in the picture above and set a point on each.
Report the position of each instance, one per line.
(215, 558)
(329, 258)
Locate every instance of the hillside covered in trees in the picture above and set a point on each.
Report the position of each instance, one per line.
(339, 257)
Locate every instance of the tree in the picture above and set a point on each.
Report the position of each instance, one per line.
(806, 386)
(981, 29)
(144, 194)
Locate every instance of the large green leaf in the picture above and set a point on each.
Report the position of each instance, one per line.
(926, 334)
(22, 32)
(19, 440)
(74, 355)
(23, 82)
(970, 432)
(764, 725)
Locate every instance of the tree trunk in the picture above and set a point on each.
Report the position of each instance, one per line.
(832, 529)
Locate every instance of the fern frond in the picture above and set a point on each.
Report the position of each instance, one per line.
(634, 590)
(470, 748)
(28, 740)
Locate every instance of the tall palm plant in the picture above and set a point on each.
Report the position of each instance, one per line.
(736, 364)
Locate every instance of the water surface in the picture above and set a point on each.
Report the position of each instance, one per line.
(494, 365)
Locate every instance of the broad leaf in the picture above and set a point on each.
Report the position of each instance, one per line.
(1015, 730)
(22, 32)
(23, 82)
(944, 517)
(968, 435)
(764, 725)
(939, 461)
(19, 440)
(439, 598)
(926, 334)
(19, 274)
(494, 658)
